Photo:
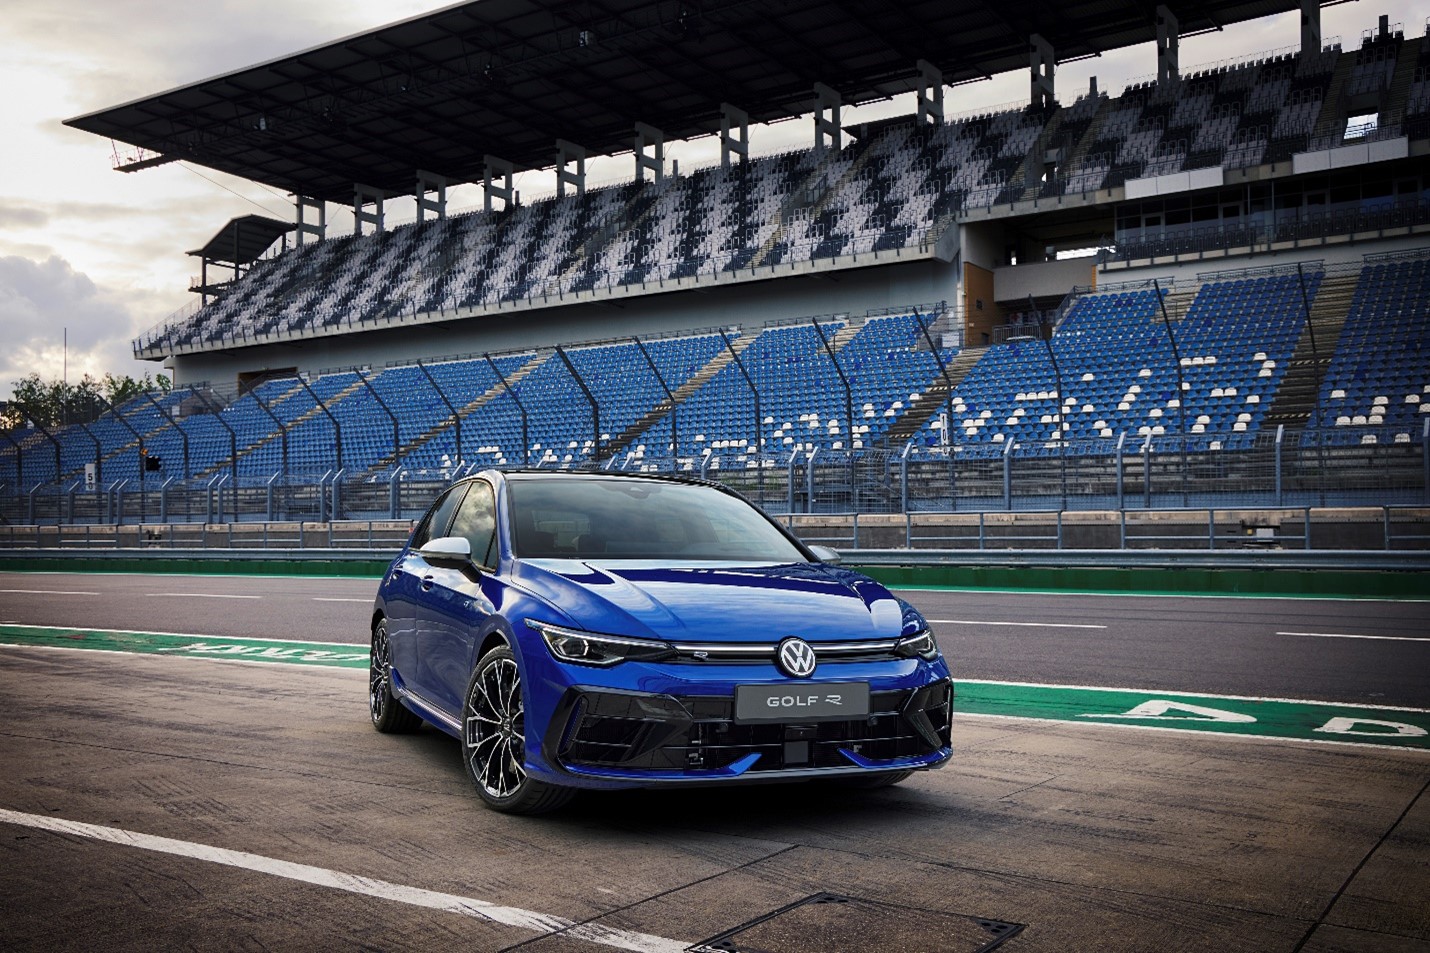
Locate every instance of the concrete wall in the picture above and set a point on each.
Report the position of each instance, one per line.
(1013, 283)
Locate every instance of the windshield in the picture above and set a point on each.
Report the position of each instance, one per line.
(615, 518)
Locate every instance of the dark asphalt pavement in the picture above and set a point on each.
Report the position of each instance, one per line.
(1366, 652)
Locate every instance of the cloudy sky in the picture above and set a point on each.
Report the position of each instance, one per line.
(94, 257)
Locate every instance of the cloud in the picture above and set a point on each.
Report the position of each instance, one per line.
(21, 216)
(44, 302)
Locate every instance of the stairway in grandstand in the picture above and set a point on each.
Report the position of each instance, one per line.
(1332, 120)
(935, 398)
(1296, 397)
(1398, 94)
(463, 412)
(719, 362)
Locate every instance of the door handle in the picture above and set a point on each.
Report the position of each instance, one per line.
(427, 583)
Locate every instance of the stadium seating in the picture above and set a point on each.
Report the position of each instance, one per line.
(1119, 373)
(892, 189)
(1377, 389)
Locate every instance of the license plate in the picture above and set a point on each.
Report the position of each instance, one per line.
(802, 702)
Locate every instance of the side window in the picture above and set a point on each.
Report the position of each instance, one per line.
(434, 524)
(477, 521)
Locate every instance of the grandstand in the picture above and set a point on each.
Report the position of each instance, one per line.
(905, 296)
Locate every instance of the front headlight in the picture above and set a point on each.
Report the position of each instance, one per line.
(591, 648)
(920, 644)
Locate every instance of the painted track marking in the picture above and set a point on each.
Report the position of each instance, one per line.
(1343, 635)
(1279, 718)
(1031, 625)
(52, 592)
(364, 886)
(199, 595)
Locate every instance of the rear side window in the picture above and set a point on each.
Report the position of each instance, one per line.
(434, 524)
(476, 520)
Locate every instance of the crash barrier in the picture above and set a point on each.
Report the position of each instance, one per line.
(1382, 528)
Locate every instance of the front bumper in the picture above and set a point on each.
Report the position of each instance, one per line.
(614, 735)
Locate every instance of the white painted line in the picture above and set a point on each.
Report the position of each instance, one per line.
(52, 592)
(1216, 735)
(1065, 593)
(545, 924)
(337, 599)
(182, 635)
(1033, 625)
(199, 595)
(1164, 693)
(1342, 635)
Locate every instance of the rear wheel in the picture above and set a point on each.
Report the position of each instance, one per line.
(494, 740)
(388, 714)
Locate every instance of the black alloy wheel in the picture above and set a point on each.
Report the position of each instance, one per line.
(494, 740)
(389, 716)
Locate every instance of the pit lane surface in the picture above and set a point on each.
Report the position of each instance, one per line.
(1046, 836)
(1365, 652)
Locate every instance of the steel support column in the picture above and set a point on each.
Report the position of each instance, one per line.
(567, 153)
(497, 182)
(1042, 66)
(317, 230)
(1168, 35)
(930, 93)
(649, 137)
(828, 133)
(734, 134)
(427, 183)
(363, 196)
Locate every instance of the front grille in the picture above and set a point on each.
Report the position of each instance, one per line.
(751, 652)
(699, 732)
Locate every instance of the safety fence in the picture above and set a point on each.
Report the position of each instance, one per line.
(1279, 468)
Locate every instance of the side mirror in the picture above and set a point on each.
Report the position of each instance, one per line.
(447, 549)
(826, 555)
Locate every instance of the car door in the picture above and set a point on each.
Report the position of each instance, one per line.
(407, 588)
(454, 603)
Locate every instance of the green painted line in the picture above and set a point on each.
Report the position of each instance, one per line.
(329, 654)
(1216, 714)
(202, 566)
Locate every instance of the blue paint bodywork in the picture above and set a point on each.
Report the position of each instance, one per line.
(443, 617)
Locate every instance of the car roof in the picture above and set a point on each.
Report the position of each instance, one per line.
(527, 473)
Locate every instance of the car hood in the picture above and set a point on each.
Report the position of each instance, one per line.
(715, 602)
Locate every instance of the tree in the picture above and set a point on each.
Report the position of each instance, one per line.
(54, 403)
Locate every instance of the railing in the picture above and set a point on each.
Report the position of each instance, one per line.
(1275, 469)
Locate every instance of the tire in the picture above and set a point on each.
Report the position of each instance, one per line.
(494, 740)
(389, 715)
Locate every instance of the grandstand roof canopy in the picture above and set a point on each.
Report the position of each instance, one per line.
(508, 78)
(243, 239)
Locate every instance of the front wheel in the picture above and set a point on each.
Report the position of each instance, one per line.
(389, 716)
(494, 740)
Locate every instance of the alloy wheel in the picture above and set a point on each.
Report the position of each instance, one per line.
(495, 726)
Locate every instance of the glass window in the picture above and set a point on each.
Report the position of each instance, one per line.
(616, 518)
(434, 524)
(476, 521)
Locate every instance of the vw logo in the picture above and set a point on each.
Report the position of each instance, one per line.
(796, 658)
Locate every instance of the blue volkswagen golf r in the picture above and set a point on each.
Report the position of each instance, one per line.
(598, 630)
